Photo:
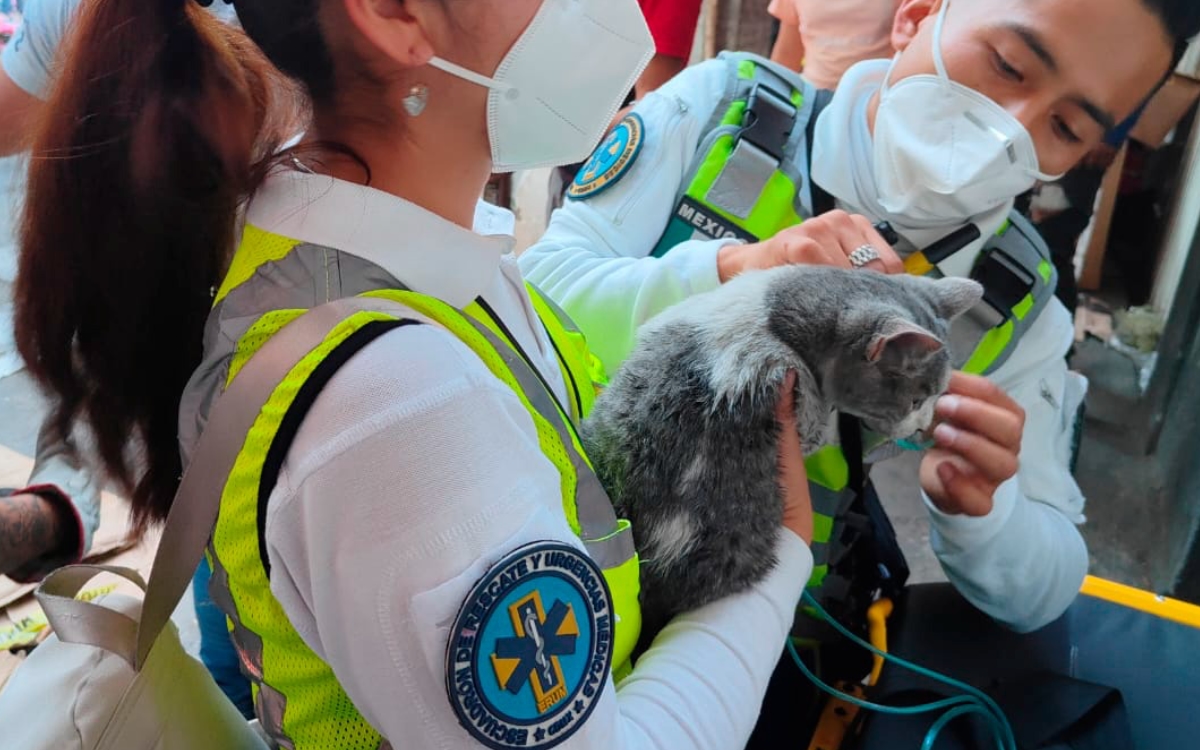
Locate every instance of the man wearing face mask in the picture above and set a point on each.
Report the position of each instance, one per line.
(713, 175)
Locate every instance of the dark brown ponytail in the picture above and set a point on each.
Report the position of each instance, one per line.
(147, 148)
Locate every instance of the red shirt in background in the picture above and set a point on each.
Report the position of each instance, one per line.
(673, 25)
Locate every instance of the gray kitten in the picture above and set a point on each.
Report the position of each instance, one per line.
(685, 438)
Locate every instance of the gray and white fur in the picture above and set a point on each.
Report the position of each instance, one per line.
(685, 438)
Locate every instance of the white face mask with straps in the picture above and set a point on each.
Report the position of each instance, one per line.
(943, 149)
(557, 89)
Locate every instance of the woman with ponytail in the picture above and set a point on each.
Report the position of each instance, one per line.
(410, 549)
(38, 524)
(140, 163)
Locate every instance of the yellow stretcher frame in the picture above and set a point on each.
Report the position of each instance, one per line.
(1143, 601)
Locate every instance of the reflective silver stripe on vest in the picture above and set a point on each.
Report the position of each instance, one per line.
(820, 553)
(742, 180)
(597, 520)
(827, 502)
(307, 277)
(269, 704)
(564, 320)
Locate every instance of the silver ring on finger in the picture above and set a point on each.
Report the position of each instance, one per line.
(863, 255)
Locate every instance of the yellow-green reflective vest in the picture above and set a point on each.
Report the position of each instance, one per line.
(297, 696)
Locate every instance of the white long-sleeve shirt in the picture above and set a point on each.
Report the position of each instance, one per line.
(1024, 562)
(417, 470)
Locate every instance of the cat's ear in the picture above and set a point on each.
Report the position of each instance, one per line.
(898, 336)
(954, 296)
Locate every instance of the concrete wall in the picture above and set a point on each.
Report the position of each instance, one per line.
(1185, 218)
(1178, 564)
(1177, 453)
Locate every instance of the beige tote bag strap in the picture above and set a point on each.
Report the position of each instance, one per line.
(194, 511)
(87, 623)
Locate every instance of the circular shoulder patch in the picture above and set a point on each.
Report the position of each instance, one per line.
(531, 648)
(612, 160)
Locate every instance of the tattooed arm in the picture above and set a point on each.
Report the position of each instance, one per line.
(50, 522)
(31, 528)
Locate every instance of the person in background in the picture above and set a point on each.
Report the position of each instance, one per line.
(51, 522)
(673, 25)
(822, 39)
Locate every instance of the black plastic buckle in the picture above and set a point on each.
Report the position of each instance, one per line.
(1005, 282)
(769, 121)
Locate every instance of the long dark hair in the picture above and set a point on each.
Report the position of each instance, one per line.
(159, 125)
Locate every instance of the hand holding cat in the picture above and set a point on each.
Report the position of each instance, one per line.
(978, 441)
(825, 240)
(793, 478)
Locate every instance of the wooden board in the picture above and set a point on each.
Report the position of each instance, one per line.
(1097, 233)
(1165, 110)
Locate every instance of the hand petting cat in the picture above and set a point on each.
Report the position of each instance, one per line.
(825, 240)
(978, 441)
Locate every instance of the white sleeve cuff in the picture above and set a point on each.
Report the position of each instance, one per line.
(701, 683)
(961, 532)
(696, 261)
(784, 585)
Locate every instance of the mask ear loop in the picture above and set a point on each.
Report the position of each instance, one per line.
(887, 79)
(1043, 177)
(459, 71)
(938, 62)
